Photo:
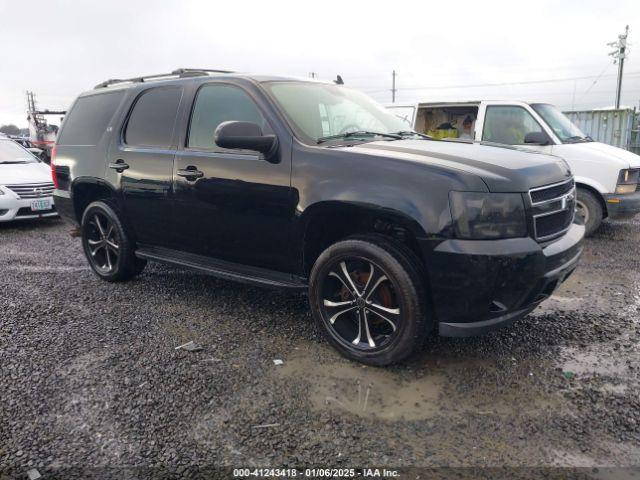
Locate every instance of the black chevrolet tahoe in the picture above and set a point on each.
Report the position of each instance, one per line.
(312, 186)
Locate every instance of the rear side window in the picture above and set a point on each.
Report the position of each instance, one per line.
(88, 119)
(153, 118)
(216, 104)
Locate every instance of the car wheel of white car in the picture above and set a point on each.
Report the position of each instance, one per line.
(589, 208)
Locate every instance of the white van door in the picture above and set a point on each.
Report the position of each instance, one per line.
(509, 124)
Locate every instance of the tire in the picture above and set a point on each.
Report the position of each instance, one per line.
(590, 209)
(107, 243)
(376, 315)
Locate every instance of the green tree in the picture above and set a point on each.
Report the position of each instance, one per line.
(10, 129)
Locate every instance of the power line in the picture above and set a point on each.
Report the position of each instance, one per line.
(594, 82)
(500, 84)
(503, 84)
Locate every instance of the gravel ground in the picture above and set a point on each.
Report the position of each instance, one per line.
(90, 377)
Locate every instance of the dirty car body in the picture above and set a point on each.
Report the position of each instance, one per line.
(488, 232)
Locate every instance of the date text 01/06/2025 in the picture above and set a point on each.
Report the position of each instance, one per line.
(316, 473)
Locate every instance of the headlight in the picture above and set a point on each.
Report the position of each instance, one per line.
(628, 180)
(482, 215)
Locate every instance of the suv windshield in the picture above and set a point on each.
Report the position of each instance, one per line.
(321, 112)
(11, 152)
(566, 131)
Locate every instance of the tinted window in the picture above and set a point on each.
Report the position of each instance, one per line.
(508, 125)
(89, 118)
(153, 117)
(216, 104)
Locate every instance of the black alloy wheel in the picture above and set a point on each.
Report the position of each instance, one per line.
(107, 243)
(103, 243)
(360, 304)
(367, 295)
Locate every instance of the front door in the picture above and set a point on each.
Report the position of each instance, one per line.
(231, 205)
(508, 124)
(141, 163)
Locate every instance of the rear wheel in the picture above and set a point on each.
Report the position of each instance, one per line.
(589, 208)
(107, 244)
(367, 296)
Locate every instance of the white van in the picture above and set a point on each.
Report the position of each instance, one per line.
(607, 178)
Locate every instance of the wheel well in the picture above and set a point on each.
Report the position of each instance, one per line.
(598, 195)
(85, 193)
(333, 225)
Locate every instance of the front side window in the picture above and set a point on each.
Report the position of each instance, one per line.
(405, 114)
(153, 118)
(317, 110)
(508, 125)
(564, 129)
(216, 104)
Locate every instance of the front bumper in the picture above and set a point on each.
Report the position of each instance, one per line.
(623, 206)
(480, 285)
(15, 208)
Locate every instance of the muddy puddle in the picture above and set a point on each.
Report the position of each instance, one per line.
(454, 385)
(594, 360)
(366, 391)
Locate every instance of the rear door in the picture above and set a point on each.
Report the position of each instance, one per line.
(141, 162)
(235, 206)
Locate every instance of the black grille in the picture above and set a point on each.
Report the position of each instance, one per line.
(555, 191)
(32, 190)
(553, 209)
(552, 224)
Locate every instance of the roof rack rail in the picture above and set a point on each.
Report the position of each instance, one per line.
(177, 73)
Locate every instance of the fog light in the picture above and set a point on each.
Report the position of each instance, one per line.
(626, 188)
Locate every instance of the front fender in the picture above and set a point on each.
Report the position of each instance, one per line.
(417, 192)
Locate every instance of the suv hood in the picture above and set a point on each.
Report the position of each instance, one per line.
(19, 173)
(502, 168)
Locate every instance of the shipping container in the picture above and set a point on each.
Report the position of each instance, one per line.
(614, 127)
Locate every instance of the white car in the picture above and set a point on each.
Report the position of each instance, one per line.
(607, 178)
(26, 188)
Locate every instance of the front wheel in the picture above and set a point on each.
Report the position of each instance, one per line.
(367, 295)
(589, 208)
(107, 244)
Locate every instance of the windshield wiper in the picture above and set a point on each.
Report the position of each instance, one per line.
(407, 133)
(578, 139)
(358, 133)
(12, 162)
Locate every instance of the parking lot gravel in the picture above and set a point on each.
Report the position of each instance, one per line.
(90, 376)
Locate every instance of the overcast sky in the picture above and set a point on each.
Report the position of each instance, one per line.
(60, 48)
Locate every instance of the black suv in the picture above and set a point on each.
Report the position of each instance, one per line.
(306, 185)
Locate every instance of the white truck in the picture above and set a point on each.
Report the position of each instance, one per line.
(607, 178)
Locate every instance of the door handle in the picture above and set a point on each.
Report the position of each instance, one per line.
(119, 165)
(190, 173)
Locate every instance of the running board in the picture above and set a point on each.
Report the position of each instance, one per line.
(223, 269)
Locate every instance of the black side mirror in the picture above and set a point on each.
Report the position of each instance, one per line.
(537, 138)
(246, 136)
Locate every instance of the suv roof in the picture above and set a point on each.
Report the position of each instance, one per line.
(185, 73)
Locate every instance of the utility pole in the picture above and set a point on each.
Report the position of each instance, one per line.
(619, 54)
(393, 87)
